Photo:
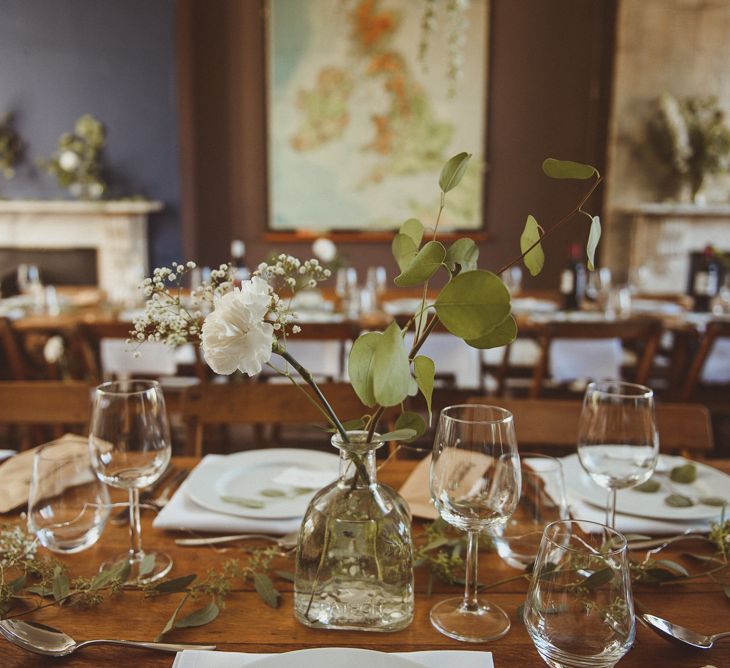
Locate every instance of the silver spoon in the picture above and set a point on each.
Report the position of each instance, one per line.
(680, 634)
(286, 542)
(48, 641)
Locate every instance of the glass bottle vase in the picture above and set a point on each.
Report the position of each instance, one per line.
(354, 561)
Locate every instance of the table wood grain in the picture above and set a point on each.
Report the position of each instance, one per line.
(248, 625)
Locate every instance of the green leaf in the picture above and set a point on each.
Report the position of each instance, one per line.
(411, 421)
(425, 371)
(360, 366)
(659, 575)
(567, 169)
(471, 305)
(171, 622)
(600, 577)
(404, 250)
(464, 253)
(412, 387)
(146, 565)
(60, 584)
(390, 369)
(399, 435)
(413, 228)
(535, 259)
(678, 501)
(673, 566)
(266, 590)
(352, 425)
(45, 592)
(685, 474)
(453, 171)
(286, 575)
(199, 617)
(18, 583)
(650, 486)
(174, 585)
(243, 502)
(593, 237)
(424, 265)
(712, 501)
(502, 335)
(272, 493)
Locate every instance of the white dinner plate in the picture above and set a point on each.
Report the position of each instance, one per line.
(709, 482)
(333, 657)
(250, 475)
(533, 305)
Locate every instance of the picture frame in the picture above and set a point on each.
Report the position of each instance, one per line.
(362, 112)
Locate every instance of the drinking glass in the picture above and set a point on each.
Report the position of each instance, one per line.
(475, 485)
(618, 444)
(68, 507)
(579, 610)
(542, 500)
(376, 280)
(129, 440)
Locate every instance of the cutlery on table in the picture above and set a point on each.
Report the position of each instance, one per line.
(286, 542)
(679, 634)
(168, 482)
(48, 641)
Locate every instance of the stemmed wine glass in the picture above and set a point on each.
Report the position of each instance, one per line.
(475, 485)
(129, 441)
(618, 444)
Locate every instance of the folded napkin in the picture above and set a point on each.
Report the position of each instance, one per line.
(182, 513)
(416, 491)
(16, 472)
(574, 359)
(435, 659)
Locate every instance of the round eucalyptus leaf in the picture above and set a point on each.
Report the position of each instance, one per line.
(471, 305)
(413, 228)
(391, 371)
(424, 265)
(593, 237)
(410, 420)
(453, 171)
(463, 252)
(567, 169)
(404, 250)
(535, 259)
(425, 371)
(360, 366)
(502, 335)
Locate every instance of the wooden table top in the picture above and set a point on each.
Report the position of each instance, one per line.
(248, 625)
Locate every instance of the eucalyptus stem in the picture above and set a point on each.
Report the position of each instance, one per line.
(309, 379)
(577, 209)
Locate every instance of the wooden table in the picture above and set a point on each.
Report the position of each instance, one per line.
(248, 625)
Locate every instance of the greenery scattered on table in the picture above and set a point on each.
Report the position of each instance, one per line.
(686, 475)
(77, 162)
(11, 147)
(691, 139)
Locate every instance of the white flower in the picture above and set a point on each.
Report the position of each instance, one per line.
(235, 335)
(69, 161)
(324, 249)
(53, 349)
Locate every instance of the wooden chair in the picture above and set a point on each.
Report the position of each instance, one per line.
(55, 406)
(717, 329)
(553, 424)
(262, 403)
(640, 334)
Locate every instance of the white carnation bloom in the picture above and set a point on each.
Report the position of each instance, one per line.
(324, 249)
(235, 335)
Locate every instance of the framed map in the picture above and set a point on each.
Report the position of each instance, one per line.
(359, 124)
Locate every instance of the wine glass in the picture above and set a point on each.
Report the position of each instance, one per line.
(475, 485)
(542, 500)
(618, 444)
(129, 441)
(579, 609)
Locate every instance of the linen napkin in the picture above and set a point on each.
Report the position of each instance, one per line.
(182, 513)
(575, 359)
(16, 472)
(435, 659)
(417, 492)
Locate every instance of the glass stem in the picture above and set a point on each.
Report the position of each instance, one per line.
(611, 508)
(135, 530)
(472, 558)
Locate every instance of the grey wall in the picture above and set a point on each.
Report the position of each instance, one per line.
(114, 59)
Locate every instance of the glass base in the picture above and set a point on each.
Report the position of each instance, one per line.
(146, 566)
(487, 622)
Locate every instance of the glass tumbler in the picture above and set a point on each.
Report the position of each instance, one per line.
(579, 610)
(68, 506)
(542, 500)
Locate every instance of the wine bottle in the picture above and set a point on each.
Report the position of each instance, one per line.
(705, 281)
(573, 280)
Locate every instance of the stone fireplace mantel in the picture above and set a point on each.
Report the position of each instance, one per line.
(117, 230)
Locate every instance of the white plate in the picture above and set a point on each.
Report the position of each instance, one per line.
(334, 657)
(533, 305)
(709, 482)
(246, 474)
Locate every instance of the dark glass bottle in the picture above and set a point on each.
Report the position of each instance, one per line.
(573, 280)
(705, 281)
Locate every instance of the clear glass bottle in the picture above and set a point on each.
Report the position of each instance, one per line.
(354, 563)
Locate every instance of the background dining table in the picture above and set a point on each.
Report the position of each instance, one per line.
(247, 624)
